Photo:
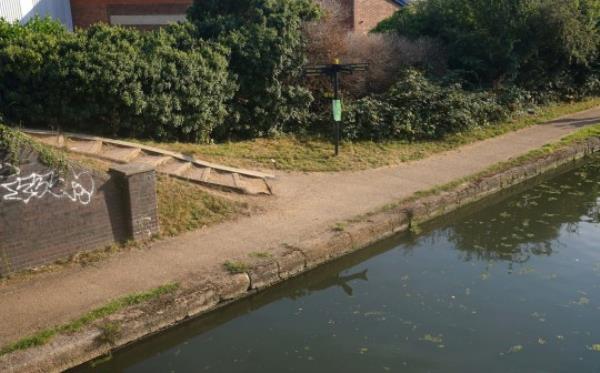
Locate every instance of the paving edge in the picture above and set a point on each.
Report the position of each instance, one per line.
(207, 293)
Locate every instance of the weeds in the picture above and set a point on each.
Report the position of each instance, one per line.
(339, 227)
(260, 255)
(110, 332)
(235, 267)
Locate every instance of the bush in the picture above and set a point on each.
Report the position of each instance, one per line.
(267, 57)
(115, 81)
(416, 108)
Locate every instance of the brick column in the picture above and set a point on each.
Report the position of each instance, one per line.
(139, 191)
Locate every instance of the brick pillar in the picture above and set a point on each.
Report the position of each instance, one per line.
(139, 191)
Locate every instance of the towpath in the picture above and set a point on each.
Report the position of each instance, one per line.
(305, 204)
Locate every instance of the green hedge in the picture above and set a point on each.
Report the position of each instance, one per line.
(165, 84)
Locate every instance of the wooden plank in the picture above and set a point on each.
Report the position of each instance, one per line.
(96, 147)
(236, 180)
(206, 174)
(153, 160)
(175, 167)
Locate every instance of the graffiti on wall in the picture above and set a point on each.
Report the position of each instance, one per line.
(16, 187)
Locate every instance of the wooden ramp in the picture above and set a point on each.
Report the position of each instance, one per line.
(170, 163)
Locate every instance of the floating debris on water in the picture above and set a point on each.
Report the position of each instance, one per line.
(515, 349)
(582, 301)
(595, 347)
(432, 338)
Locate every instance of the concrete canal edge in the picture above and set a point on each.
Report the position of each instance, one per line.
(208, 292)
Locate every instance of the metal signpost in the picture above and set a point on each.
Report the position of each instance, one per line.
(334, 71)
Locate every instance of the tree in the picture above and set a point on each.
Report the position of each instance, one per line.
(265, 39)
(496, 42)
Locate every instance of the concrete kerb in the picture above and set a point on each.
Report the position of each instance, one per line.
(219, 289)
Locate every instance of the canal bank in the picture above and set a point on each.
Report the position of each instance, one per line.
(205, 291)
(508, 284)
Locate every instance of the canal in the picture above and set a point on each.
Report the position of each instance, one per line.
(512, 285)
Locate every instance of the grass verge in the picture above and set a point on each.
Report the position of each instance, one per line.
(289, 153)
(44, 336)
(574, 138)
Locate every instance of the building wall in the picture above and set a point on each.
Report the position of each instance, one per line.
(368, 13)
(23, 10)
(140, 13)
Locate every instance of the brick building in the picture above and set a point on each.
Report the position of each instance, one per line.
(137, 13)
(366, 14)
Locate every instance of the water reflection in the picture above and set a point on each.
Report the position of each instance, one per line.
(529, 224)
(328, 281)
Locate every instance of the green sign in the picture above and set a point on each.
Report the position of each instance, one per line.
(337, 110)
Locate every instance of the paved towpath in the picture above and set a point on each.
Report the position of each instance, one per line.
(304, 205)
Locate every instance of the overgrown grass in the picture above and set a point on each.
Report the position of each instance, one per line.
(44, 336)
(296, 154)
(183, 207)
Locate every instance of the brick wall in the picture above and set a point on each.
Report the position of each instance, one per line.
(88, 12)
(368, 13)
(43, 220)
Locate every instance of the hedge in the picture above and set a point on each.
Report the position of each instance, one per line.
(165, 84)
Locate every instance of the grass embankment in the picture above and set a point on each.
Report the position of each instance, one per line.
(184, 207)
(42, 337)
(296, 154)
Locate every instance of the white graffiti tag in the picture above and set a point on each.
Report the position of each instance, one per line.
(38, 186)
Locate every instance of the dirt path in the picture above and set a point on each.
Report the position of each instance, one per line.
(305, 204)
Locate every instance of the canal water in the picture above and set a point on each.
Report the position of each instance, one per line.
(511, 285)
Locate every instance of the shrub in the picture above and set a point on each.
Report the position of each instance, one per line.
(164, 84)
(416, 108)
(267, 57)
